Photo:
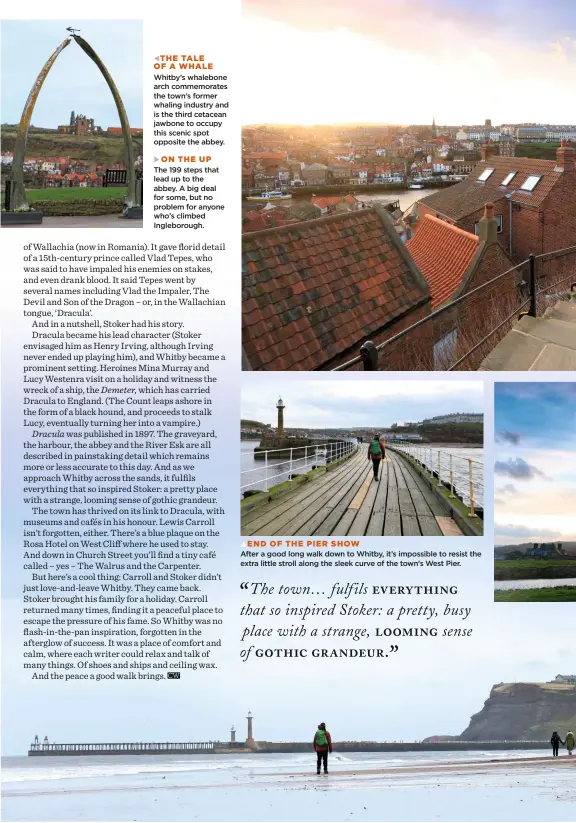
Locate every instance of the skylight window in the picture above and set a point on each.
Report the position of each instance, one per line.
(531, 182)
(485, 175)
(509, 177)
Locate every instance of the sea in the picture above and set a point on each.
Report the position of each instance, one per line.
(283, 787)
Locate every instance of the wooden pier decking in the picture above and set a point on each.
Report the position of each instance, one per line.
(347, 501)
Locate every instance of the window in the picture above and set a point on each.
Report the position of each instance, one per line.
(445, 351)
(485, 175)
(531, 182)
(498, 223)
(509, 177)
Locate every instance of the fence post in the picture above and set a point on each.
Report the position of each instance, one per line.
(451, 479)
(369, 355)
(8, 195)
(533, 312)
(439, 481)
(290, 473)
(472, 512)
(266, 470)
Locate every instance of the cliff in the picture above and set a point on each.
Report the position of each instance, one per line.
(524, 711)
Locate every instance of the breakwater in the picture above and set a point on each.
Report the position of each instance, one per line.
(265, 747)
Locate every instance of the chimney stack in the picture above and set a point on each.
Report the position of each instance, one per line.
(566, 158)
(487, 150)
(488, 225)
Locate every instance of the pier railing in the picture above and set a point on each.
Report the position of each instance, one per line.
(461, 334)
(285, 464)
(121, 748)
(443, 467)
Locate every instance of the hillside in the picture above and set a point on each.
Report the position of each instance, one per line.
(95, 149)
(524, 711)
(472, 433)
(540, 151)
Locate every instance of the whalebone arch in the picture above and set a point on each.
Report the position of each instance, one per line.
(19, 200)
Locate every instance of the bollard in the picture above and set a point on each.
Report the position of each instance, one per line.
(472, 513)
(451, 479)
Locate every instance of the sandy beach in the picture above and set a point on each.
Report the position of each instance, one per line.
(488, 786)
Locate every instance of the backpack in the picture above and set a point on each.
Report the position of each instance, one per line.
(321, 739)
(375, 448)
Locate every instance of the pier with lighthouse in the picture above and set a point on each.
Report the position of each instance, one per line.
(251, 746)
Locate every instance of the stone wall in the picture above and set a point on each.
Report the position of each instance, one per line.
(81, 206)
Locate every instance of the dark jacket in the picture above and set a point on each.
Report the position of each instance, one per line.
(323, 748)
(555, 740)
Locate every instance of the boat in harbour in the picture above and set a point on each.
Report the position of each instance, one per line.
(267, 196)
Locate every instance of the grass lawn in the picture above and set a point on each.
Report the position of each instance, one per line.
(534, 569)
(554, 594)
(76, 193)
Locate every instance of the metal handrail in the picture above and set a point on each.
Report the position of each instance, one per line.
(335, 449)
(369, 351)
(422, 454)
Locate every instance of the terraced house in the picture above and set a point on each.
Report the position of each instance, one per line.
(534, 201)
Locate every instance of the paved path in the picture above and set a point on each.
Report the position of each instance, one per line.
(347, 501)
(100, 221)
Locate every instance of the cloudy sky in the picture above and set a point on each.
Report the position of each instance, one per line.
(535, 462)
(330, 403)
(407, 61)
(74, 81)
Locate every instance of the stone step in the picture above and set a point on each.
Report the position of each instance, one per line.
(546, 343)
(563, 310)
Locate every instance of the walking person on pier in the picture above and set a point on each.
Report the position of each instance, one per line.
(555, 742)
(569, 742)
(322, 746)
(376, 452)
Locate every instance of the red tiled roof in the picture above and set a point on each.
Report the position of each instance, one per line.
(470, 195)
(315, 289)
(257, 223)
(443, 253)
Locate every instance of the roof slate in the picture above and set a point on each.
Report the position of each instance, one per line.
(313, 290)
(469, 196)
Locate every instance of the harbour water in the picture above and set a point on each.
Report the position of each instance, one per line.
(428, 455)
(407, 198)
(261, 474)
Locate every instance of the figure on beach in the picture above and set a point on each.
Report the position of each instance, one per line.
(322, 746)
(556, 742)
(376, 451)
(569, 742)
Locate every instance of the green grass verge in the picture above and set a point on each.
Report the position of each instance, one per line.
(554, 594)
(76, 193)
